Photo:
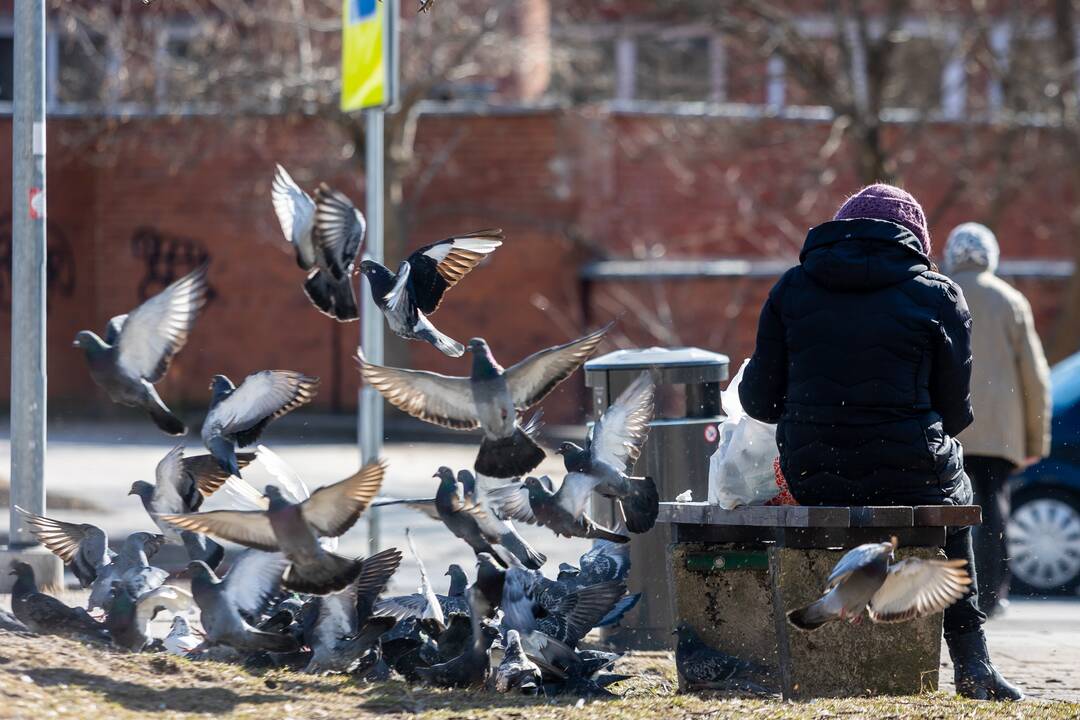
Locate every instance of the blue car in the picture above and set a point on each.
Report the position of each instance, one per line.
(1044, 529)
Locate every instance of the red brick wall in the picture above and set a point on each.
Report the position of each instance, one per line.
(565, 187)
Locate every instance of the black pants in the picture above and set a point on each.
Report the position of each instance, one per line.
(990, 483)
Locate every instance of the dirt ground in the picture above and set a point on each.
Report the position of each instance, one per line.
(48, 677)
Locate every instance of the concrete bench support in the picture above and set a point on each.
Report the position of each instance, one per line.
(735, 576)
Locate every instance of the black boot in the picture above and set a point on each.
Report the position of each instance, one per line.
(973, 672)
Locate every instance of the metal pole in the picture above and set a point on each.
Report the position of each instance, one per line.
(28, 269)
(370, 427)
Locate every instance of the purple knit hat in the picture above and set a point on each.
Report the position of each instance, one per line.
(887, 202)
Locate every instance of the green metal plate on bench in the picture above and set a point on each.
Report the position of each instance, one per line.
(724, 560)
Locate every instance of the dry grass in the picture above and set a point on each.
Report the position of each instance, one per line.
(44, 677)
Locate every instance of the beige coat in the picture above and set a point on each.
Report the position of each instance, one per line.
(1010, 380)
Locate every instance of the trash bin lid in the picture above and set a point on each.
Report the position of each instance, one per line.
(671, 365)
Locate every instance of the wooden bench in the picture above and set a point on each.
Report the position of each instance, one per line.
(736, 573)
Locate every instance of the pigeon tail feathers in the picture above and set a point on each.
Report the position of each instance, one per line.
(509, 457)
(642, 505)
(329, 574)
(345, 307)
(443, 343)
(811, 617)
(165, 420)
(319, 287)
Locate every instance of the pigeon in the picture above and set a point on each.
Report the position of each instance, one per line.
(343, 631)
(246, 590)
(408, 647)
(327, 234)
(182, 485)
(123, 621)
(453, 641)
(536, 502)
(83, 547)
(612, 448)
(139, 346)
(704, 668)
(605, 560)
(866, 578)
(407, 298)
(570, 620)
(517, 671)
(132, 567)
(44, 614)
(238, 415)
(486, 594)
(181, 640)
(470, 669)
(415, 605)
(490, 398)
(295, 529)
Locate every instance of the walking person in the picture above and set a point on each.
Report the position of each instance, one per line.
(1010, 396)
(863, 360)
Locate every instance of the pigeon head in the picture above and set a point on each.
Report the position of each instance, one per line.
(21, 570)
(277, 500)
(513, 639)
(575, 457)
(685, 633)
(89, 342)
(485, 560)
(142, 488)
(179, 626)
(199, 571)
(458, 580)
(567, 571)
(484, 364)
(220, 386)
(445, 475)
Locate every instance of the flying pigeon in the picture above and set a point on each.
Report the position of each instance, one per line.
(238, 415)
(407, 298)
(128, 618)
(517, 671)
(181, 486)
(490, 398)
(44, 614)
(416, 604)
(253, 580)
(704, 668)
(327, 234)
(295, 529)
(570, 620)
(536, 502)
(866, 577)
(605, 560)
(139, 346)
(611, 450)
(343, 631)
(83, 547)
(181, 640)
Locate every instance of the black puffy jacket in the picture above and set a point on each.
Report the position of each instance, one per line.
(863, 359)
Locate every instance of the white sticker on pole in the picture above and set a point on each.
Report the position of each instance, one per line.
(38, 142)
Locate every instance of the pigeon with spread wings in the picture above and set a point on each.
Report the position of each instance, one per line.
(44, 614)
(612, 448)
(408, 297)
(238, 415)
(245, 592)
(866, 578)
(562, 511)
(139, 346)
(327, 234)
(491, 398)
(295, 529)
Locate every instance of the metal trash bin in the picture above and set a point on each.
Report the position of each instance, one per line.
(676, 456)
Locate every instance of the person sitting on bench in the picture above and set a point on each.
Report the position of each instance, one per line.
(863, 360)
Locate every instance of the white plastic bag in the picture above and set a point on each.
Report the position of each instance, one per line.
(741, 469)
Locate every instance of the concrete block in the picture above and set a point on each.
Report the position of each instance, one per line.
(844, 660)
(729, 604)
(48, 569)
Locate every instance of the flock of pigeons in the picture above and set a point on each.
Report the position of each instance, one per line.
(289, 598)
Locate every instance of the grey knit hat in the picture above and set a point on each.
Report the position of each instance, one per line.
(971, 246)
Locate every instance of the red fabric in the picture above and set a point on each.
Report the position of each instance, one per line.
(784, 497)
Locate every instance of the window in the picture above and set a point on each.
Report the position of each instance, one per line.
(83, 61)
(7, 68)
(913, 78)
(673, 69)
(1032, 79)
(583, 69)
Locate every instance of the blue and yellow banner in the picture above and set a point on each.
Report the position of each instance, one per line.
(363, 60)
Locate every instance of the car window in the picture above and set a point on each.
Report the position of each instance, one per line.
(1065, 381)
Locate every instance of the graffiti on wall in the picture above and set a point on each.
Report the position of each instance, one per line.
(59, 262)
(167, 258)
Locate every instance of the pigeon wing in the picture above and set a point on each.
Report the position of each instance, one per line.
(339, 230)
(375, 574)
(65, 539)
(207, 472)
(250, 528)
(438, 399)
(440, 266)
(170, 493)
(915, 588)
(253, 581)
(112, 330)
(295, 212)
(537, 375)
(574, 494)
(263, 396)
(512, 501)
(158, 329)
(856, 559)
(402, 606)
(585, 608)
(333, 509)
(623, 428)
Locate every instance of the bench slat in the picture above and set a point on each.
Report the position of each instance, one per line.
(947, 515)
(803, 516)
(882, 516)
